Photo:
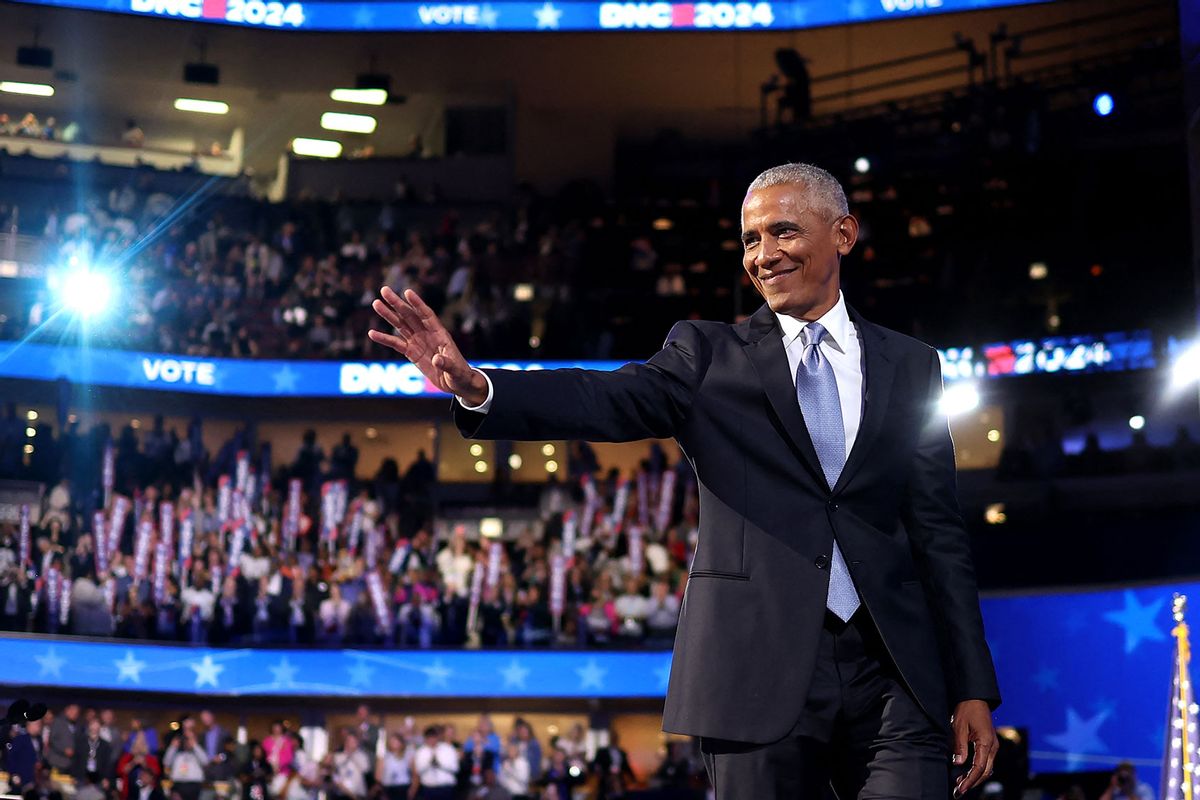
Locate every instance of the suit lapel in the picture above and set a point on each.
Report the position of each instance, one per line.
(764, 348)
(878, 371)
(765, 351)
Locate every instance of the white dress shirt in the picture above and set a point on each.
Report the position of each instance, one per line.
(842, 346)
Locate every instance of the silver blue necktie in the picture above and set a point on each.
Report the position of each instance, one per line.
(816, 389)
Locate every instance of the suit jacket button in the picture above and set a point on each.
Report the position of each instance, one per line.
(832, 505)
(822, 562)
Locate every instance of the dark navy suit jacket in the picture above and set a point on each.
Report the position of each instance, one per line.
(752, 613)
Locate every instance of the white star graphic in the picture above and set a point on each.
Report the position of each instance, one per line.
(284, 672)
(1138, 621)
(285, 379)
(547, 16)
(1080, 737)
(129, 667)
(437, 675)
(207, 672)
(361, 673)
(591, 675)
(514, 675)
(664, 674)
(488, 16)
(51, 663)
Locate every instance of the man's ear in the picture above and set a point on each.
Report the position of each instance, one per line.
(845, 233)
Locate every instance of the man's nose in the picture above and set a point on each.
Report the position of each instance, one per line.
(768, 253)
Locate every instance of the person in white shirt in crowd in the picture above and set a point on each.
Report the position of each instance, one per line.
(184, 762)
(333, 613)
(630, 606)
(455, 563)
(514, 771)
(349, 769)
(436, 766)
(394, 769)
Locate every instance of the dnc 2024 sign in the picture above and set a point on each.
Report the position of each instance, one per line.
(268, 378)
(522, 15)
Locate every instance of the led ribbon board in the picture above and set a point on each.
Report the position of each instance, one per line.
(547, 15)
(1088, 674)
(271, 378)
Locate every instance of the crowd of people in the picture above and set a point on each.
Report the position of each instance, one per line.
(207, 274)
(184, 545)
(98, 754)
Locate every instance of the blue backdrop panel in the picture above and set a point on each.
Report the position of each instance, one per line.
(1088, 673)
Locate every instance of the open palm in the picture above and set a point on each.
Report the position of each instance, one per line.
(422, 339)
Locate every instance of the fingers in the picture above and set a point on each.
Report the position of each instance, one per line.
(424, 312)
(397, 343)
(399, 314)
(981, 766)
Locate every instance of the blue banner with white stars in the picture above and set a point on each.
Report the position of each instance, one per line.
(1087, 673)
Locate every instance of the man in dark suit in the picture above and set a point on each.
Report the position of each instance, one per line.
(830, 630)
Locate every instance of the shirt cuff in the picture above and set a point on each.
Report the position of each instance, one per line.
(483, 407)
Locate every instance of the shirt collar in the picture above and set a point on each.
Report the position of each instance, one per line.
(836, 322)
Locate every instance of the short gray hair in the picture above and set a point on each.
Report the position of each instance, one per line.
(824, 189)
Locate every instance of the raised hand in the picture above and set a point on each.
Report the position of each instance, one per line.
(422, 339)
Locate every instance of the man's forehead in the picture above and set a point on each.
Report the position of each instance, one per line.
(770, 205)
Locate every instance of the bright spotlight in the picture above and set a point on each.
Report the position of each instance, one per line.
(86, 292)
(862, 165)
(1137, 422)
(1103, 104)
(1186, 369)
(959, 398)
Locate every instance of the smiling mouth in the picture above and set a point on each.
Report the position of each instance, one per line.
(776, 277)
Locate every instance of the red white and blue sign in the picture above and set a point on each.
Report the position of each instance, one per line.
(546, 15)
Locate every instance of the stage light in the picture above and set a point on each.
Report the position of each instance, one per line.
(993, 435)
(547, 449)
(35, 89)
(514, 461)
(1186, 369)
(1103, 104)
(523, 292)
(663, 224)
(959, 399)
(481, 466)
(317, 148)
(201, 106)
(86, 291)
(552, 466)
(1038, 271)
(491, 527)
(994, 514)
(476, 450)
(31, 415)
(372, 433)
(28, 449)
(31, 432)
(862, 165)
(1137, 422)
(350, 123)
(367, 97)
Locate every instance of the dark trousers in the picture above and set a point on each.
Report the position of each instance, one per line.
(861, 733)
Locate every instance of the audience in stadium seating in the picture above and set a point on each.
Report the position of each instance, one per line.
(307, 576)
(123, 761)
